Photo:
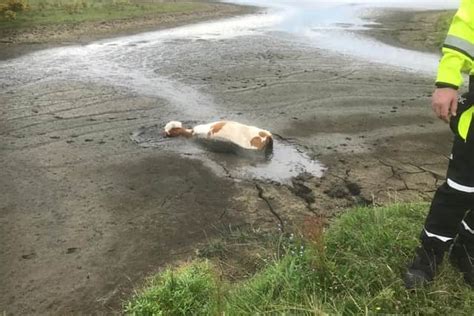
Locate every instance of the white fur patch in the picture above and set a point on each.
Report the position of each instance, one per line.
(237, 133)
(173, 124)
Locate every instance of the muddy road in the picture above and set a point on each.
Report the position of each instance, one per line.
(93, 199)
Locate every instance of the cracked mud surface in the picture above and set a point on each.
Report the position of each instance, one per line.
(86, 213)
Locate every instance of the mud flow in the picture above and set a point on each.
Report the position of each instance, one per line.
(280, 165)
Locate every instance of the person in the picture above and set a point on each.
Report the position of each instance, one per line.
(449, 225)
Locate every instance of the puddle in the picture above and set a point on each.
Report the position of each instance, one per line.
(285, 162)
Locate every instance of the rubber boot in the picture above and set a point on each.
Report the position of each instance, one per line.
(423, 268)
(460, 258)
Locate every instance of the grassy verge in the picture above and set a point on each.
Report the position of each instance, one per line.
(353, 268)
(49, 12)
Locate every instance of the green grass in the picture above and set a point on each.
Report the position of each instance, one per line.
(354, 268)
(51, 12)
(191, 289)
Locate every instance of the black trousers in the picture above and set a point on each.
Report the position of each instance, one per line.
(452, 209)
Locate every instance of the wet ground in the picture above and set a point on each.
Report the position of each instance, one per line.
(93, 199)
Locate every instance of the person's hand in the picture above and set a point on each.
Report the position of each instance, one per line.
(445, 103)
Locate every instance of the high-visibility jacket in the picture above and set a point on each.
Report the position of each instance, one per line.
(458, 48)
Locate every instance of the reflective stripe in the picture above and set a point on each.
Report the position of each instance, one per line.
(442, 238)
(467, 227)
(465, 122)
(460, 187)
(460, 44)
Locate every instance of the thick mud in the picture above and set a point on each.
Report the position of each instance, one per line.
(86, 212)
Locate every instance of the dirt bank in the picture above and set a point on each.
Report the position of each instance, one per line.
(86, 213)
(418, 30)
(15, 42)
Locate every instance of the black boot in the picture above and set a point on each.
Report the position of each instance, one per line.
(423, 268)
(460, 258)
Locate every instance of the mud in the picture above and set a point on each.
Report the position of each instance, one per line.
(86, 213)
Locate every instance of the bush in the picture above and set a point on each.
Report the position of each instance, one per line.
(9, 15)
(11, 8)
(84, 4)
(17, 5)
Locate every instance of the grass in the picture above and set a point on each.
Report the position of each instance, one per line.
(352, 268)
(193, 286)
(52, 12)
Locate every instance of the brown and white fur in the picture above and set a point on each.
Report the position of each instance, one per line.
(244, 136)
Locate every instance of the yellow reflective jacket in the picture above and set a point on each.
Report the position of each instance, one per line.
(458, 48)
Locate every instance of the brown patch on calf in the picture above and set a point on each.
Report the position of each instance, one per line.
(264, 140)
(257, 142)
(179, 131)
(217, 127)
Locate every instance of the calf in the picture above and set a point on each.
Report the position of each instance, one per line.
(244, 136)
